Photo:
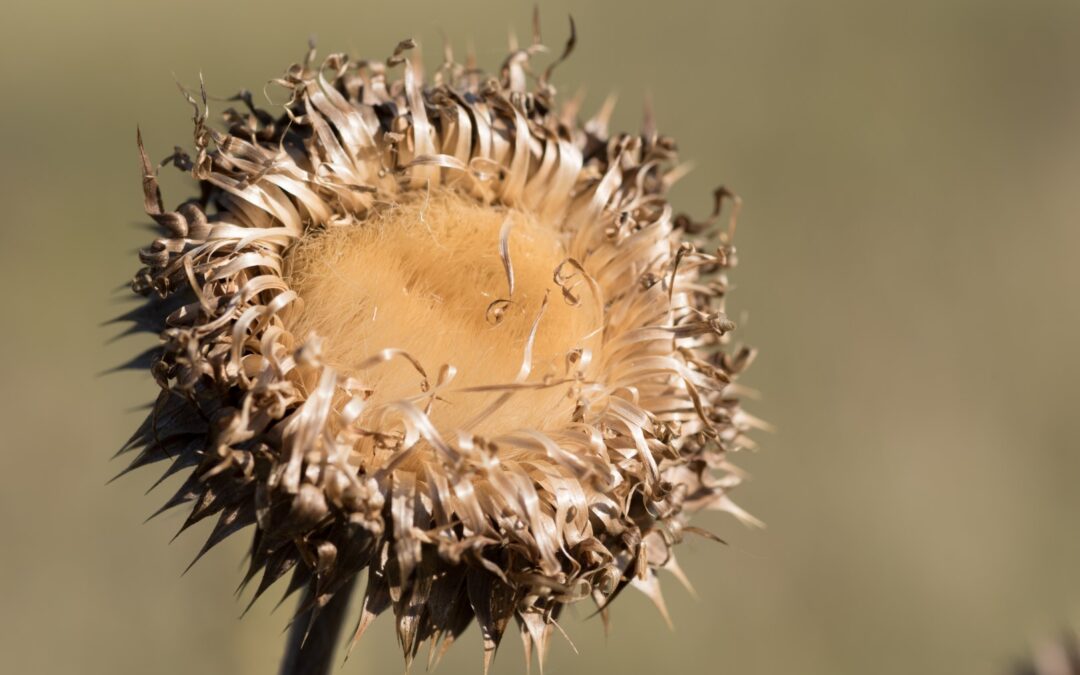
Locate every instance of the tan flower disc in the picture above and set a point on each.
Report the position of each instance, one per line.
(441, 332)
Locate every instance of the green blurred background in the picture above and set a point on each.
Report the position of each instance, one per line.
(908, 268)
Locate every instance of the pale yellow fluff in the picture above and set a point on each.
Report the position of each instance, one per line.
(422, 276)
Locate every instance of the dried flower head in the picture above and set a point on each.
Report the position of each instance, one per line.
(443, 333)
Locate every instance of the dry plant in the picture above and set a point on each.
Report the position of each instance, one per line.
(1054, 657)
(439, 330)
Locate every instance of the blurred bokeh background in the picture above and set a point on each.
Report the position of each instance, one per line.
(911, 174)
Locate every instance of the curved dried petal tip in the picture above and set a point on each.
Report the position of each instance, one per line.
(581, 409)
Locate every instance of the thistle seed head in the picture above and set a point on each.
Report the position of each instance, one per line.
(441, 332)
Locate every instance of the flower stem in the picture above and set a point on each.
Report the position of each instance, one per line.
(315, 654)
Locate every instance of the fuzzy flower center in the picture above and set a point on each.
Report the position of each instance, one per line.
(429, 276)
